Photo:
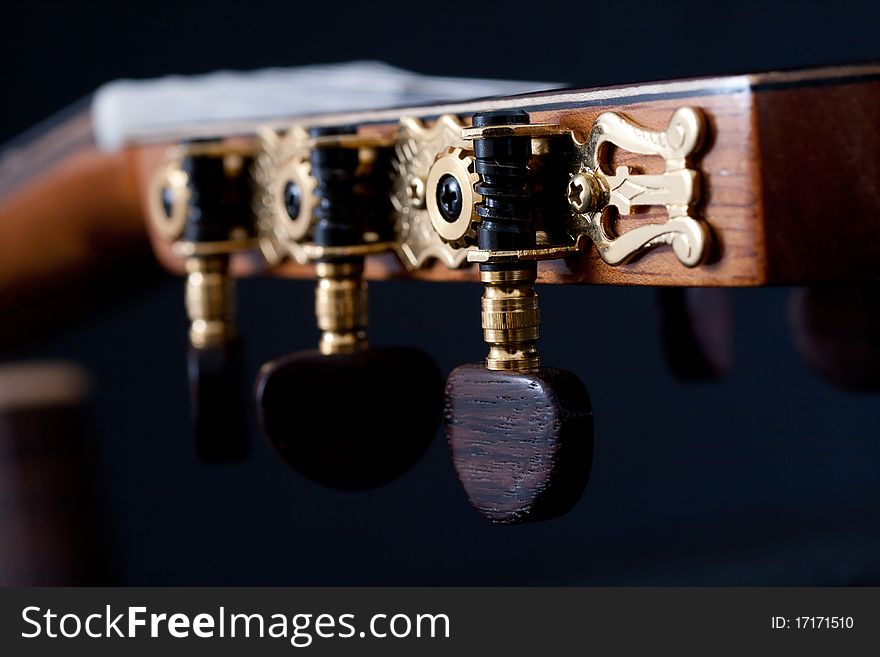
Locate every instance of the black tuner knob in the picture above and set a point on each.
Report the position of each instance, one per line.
(348, 416)
(521, 435)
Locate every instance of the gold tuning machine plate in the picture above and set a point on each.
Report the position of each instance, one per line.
(423, 149)
(285, 205)
(593, 190)
(433, 194)
(286, 199)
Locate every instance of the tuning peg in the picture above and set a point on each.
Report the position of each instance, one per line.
(201, 203)
(836, 329)
(521, 435)
(352, 420)
(215, 377)
(696, 329)
(347, 416)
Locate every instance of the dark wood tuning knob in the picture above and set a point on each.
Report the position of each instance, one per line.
(217, 402)
(351, 421)
(697, 331)
(521, 441)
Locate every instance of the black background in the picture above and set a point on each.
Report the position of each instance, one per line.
(769, 476)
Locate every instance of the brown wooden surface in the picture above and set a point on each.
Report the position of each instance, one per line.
(820, 182)
(71, 230)
(78, 214)
(51, 531)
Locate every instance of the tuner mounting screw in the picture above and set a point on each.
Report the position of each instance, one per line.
(415, 192)
(292, 199)
(167, 199)
(449, 198)
(584, 193)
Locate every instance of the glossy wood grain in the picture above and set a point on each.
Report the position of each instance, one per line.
(521, 442)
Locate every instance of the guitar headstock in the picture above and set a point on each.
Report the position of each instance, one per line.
(660, 184)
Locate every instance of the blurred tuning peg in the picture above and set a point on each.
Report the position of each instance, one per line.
(200, 201)
(837, 331)
(347, 416)
(351, 420)
(697, 331)
(521, 435)
(215, 388)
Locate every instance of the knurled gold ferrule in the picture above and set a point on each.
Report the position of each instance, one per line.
(210, 301)
(511, 319)
(341, 306)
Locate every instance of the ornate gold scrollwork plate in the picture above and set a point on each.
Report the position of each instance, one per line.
(283, 158)
(418, 145)
(676, 188)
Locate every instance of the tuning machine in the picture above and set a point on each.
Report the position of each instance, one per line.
(200, 202)
(594, 193)
(520, 434)
(347, 415)
(506, 193)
